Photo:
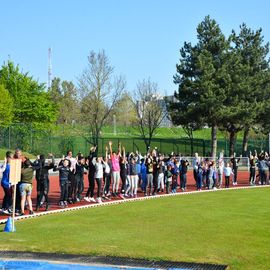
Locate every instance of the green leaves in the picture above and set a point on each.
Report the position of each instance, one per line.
(31, 103)
(221, 81)
(6, 105)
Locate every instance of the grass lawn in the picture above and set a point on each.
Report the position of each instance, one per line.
(227, 227)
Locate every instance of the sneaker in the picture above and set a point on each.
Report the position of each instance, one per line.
(121, 196)
(92, 199)
(21, 214)
(31, 212)
(5, 211)
(47, 207)
(65, 203)
(99, 200)
(61, 204)
(86, 199)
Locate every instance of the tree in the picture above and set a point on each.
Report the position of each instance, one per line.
(202, 80)
(183, 113)
(6, 105)
(124, 111)
(32, 104)
(250, 78)
(99, 93)
(150, 108)
(32, 107)
(64, 96)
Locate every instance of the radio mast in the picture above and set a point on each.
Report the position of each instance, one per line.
(49, 68)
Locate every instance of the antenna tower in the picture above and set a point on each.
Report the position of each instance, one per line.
(49, 68)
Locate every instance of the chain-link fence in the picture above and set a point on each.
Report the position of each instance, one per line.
(41, 141)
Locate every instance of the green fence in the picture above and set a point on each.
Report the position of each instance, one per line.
(37, 142)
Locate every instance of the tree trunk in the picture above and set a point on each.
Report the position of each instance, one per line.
(214, 141)
(95, 142)
(245, 142)
(233, 136)
(192, 145)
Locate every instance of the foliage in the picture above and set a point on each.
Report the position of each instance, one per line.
(32, 107)
(6, 107)
(64, 96)
(201, 78)
(124, 111)
(31, 101)
(99, 93)
(222, 83)
(150, 109)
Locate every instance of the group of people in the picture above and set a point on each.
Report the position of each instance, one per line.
(119, 175)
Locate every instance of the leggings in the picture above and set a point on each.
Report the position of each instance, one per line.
(227, 181)
(107, 183)
(134, 184)
(252, 175)
(7, 201)
(123, 176)
(99, 181)
(64, 190)
(149, 185)
(161, 181)
(116, 181)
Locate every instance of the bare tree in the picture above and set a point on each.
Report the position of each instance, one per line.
(150, 108)
(99, 92)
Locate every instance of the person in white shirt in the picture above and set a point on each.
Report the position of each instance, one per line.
(99, 165)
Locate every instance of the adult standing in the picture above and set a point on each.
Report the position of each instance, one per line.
(235, 162)
(91, 173)
(115, 161)
(5, 183)
(71, 177)
(18, 155)
(42, 177)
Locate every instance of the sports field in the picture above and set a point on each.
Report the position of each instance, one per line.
(226, 227)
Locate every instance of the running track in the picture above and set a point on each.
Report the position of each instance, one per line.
(54, 193)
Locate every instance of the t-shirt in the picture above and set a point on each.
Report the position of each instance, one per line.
(115, 163)
(227, 171)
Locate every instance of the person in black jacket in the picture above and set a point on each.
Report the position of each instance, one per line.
(42, 177)
(91, 173)
(64, 171)
(235, 162)
(79, 181)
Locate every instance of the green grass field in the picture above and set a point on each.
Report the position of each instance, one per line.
(227, 227)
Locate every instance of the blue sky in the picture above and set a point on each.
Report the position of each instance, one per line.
(142, 38)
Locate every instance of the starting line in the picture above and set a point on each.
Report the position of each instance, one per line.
(121, 201)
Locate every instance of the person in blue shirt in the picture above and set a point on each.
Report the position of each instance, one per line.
(7, 200)
(143, 175)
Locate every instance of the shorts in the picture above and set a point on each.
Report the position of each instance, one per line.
(25, 189)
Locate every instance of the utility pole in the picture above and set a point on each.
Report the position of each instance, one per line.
(49, 68)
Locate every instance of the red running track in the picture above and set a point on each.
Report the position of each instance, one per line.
(54, 194)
